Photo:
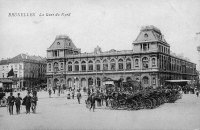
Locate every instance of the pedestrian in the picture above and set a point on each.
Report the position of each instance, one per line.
(54, 90)
(79, 96)
(34, 100)
(18, 103)
(27, 102)
(49, 93)
(10, 102)
(92, 100)
(73, 94)
(68, 95)
(197, 93)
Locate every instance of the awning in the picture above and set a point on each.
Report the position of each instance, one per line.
(177, 81)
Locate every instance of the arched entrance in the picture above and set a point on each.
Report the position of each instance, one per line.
(128, 79)
(145, 81)
(98, 82)
(76, 83)
(90, 82)
(69, 83)
(83, 83)
(55, 83)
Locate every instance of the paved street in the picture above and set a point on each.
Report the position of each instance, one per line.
(60, 113)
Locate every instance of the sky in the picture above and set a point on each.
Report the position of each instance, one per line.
(110, 24)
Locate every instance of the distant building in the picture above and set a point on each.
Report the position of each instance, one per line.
(149, 62)
(198, 49)
(28, 70)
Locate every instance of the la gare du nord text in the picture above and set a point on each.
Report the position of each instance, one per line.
(39, 14)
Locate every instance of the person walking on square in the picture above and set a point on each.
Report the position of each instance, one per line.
(27, 102)
(10, 101)
(34, 100)
(197, 93)
(79, 96)
(54, 90)
(49, 93)
(18, 103)
(73, 94)
(92, 98)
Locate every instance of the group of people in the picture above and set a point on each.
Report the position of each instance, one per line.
(30, 102)
(70, 94)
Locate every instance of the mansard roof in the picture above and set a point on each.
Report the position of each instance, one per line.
(150, 33)
(23, 57)
(62, 42)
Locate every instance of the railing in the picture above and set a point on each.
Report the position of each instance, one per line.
(103, 71)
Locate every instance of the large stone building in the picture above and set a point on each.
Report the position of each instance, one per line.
(149, 62)
(28, 70)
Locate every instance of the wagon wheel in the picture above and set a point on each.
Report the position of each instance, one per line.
(148, 104)
(159, 101)
(114, 104)
(153, 102)
(88, 104)
(134, 105)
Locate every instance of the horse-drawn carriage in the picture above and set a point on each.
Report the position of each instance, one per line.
(132, 97)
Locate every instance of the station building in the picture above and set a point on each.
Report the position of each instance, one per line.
(149, 62)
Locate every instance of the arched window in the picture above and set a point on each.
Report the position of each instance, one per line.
(61, 66)
(90, 65)
(70, 83)
(105, 65)
(49, 67)
(128, 64)
(76, 66)
(70, 66)
(145, 63)
(112, 64)
(56, 67)
(154, 80)
(136, 63)
(120, 64)
(98, 65)
(153, 62)
(83, 66)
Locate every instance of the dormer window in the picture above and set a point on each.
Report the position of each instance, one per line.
(146, 35)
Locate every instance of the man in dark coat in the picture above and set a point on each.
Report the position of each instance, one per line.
(18, 103)
(92, 100)
(27, 101)
(34, 100)
(79, 96)
(10, 101)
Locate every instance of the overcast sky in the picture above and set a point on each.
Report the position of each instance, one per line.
(107, 23)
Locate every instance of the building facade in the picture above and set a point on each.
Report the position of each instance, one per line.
(149, 62)
(28, 70)
(198, 49)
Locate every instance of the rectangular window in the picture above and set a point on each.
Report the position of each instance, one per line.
(90, 67)
(76, 67)
(98, 67)
(69, 67)
(83, 67)
(105, 66)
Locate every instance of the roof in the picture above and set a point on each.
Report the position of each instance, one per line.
(23, 57)
(6, 81)
(150, 33)
(61, 42)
